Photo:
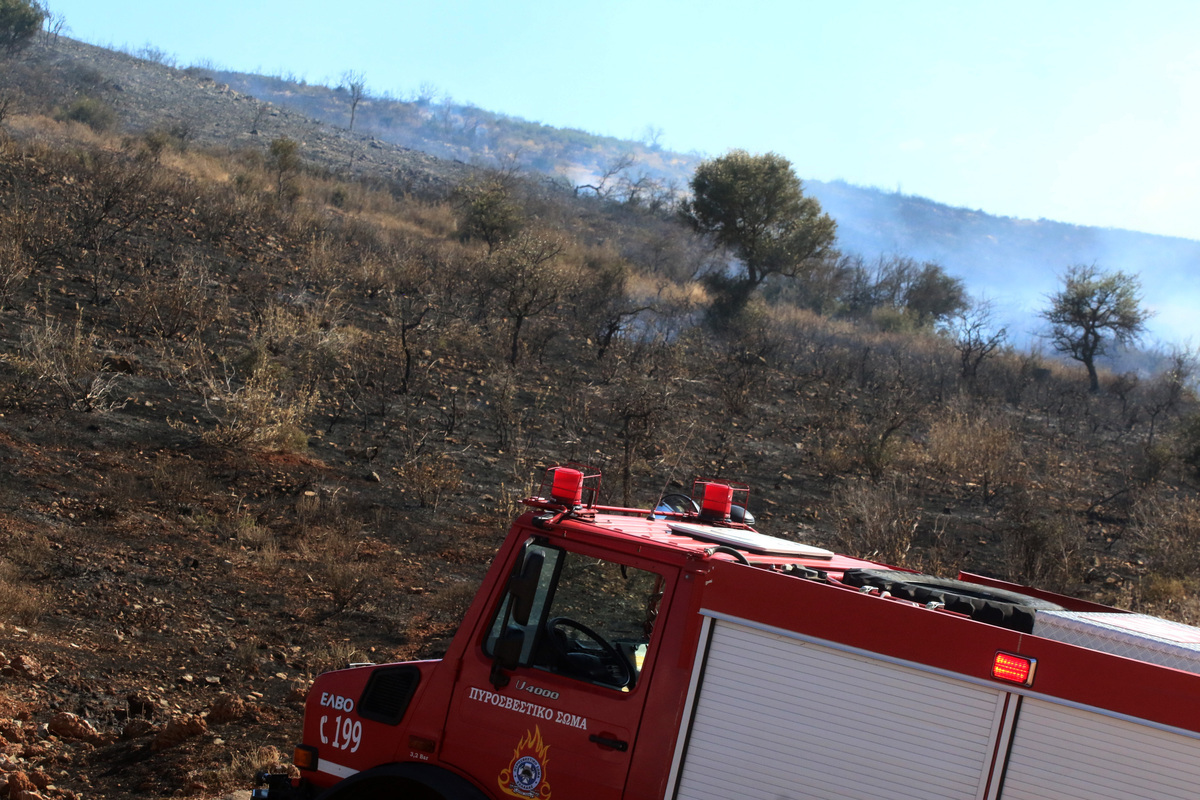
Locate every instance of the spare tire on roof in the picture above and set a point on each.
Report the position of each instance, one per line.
(999, 607)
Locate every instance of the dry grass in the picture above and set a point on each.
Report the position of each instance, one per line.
(879, 521)
(1166, 528)
(976, 446)
(20, 601)
(241, 769)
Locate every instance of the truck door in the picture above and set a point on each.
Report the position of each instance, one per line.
(549, 700)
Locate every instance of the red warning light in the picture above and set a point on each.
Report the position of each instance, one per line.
(1014, 668)
(567, 487)
(718, 500)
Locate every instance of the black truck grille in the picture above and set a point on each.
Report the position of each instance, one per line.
(388, 692)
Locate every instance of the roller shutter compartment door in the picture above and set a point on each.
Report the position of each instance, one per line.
(1071, 754)
(776, 717)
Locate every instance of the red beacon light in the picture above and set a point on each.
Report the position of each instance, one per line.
(566, 487)
(717, 502)
(1013, 668)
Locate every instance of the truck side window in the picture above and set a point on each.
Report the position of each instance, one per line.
(592, 619)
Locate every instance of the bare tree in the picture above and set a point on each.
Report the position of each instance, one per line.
(602, 187)
(54, 24)
(975, 335)
(356, 85)
(527, 279)
(652, 137)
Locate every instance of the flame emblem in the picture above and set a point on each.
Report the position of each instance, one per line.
(525, 775)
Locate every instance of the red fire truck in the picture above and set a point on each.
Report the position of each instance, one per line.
(676, 652)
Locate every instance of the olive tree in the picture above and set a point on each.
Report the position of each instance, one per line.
(20, 20)
(754, 205)
(1092, 309)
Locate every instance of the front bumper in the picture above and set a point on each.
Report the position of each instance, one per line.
(279, 786)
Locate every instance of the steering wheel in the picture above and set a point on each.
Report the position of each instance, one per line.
(610, 656)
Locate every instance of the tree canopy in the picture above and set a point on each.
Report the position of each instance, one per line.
(20, 20)
(1092, 309)
(754, 205)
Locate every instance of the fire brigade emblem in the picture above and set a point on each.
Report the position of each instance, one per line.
(525, 775)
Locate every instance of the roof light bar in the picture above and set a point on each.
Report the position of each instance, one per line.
(1013, 668)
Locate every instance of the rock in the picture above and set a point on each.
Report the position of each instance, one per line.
(66, 725)
(28, 667)
(12, 732)
(177, 731)
(20, 787)
(227, 708)
(135, 728)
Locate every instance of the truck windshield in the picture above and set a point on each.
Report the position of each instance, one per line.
(592, 619)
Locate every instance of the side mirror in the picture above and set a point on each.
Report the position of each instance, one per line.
(509, 647)
(506, 655)
(740, 514)
(523, 586)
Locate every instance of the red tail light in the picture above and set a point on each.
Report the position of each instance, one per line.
(1014, 668)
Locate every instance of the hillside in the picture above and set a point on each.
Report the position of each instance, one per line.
(1017, 262)
(1014, 262)
(261, 416)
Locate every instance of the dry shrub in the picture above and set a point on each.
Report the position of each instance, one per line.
(1159, 591)
(318, 513)
(31, 554)
(176, 302)
(245, 531)
(879, 521)
(428, 477)
(178, 479)
(326, 656)
(242, 768)
(978, 447)
(419, 217)
(348, 580)
(20, 602)
(1166, 528)
(254, 410)
(63, 359)
(1042, 548)
(325, 261)
(506, 505)
(90, 111)
(14, 267)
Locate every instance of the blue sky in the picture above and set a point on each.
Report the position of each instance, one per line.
(1083, 112)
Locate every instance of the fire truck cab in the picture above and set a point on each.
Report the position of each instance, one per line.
(677, 652)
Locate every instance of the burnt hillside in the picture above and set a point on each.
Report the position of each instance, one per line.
(265, 411)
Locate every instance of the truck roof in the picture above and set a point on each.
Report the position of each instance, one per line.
(696, 539)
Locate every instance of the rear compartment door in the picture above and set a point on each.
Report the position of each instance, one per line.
(774, 716)
(1072, 754)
